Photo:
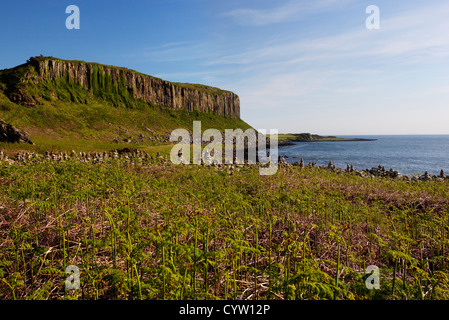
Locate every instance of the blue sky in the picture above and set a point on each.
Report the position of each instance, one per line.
(297, 65)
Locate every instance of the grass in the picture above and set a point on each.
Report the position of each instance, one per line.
(292, 137)
(153, 230)
(201, 88)
(99, 125)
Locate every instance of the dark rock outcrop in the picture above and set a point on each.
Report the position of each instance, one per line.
(9, 133)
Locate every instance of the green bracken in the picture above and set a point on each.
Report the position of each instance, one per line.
(158, 231)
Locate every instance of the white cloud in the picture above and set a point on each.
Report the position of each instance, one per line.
(290, 11)
(417, 35)
(174, 51)
(345, 82)
(358, 72)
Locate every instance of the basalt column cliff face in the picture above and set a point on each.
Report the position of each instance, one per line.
(147, 88)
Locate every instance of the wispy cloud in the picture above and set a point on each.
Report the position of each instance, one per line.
(173, 44)
(355, 71)
(414, 34)
(290, 11)
(292, 80)
(173, 51)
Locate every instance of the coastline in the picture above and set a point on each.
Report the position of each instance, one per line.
(288, 139)
(378, 171)
(25, 158)
(411, 155)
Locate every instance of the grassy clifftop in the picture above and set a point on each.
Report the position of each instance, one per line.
(17, 80)
(42, 77)
(65, 114)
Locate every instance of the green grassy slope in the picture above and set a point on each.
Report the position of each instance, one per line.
(68, 116)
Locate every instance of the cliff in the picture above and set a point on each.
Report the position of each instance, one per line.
(120, 85)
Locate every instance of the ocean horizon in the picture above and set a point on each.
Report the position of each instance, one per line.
(409, 154)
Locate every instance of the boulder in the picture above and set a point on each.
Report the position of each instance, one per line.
(9, 133)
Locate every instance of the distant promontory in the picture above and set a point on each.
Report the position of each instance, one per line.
(286, 139)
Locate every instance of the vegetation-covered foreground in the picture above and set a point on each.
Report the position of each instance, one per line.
(159, 231)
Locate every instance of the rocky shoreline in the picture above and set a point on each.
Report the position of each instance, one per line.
(378, 171)
(134, 156)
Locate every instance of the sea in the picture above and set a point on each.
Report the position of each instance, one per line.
(408, 154)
